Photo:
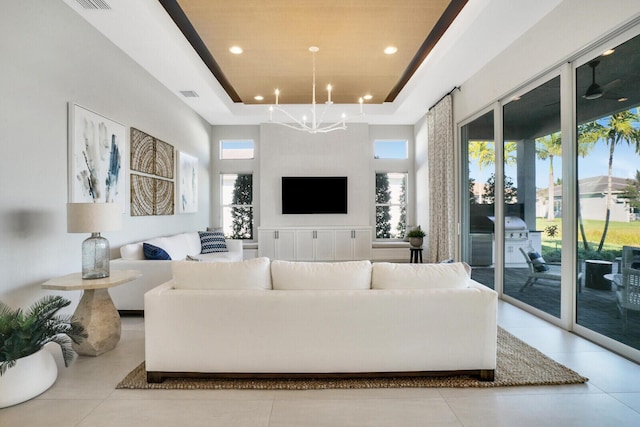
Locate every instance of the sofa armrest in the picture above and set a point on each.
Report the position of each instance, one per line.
(130, 296)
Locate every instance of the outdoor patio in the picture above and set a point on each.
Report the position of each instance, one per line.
(597, 309)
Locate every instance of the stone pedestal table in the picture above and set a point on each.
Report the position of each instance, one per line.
(95, 310)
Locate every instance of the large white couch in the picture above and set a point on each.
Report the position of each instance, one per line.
(295, 318)
(130, 296)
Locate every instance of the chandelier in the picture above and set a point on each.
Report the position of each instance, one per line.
(315, 124)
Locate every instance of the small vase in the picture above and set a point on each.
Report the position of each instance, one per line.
(29, 377)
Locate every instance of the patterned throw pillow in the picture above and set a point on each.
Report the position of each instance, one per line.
(154, 252)
(212, 241)
(538, 262)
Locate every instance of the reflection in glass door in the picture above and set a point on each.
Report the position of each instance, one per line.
(608, 188)
(478, 148)
(532, 197)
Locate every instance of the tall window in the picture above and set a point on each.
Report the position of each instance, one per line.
(237, 205)
(391, 205)
(390, 149)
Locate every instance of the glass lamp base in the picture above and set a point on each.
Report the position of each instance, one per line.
(95, 257)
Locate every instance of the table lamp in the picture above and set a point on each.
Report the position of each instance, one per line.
(94, 218)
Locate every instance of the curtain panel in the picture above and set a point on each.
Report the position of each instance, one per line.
(441, 180)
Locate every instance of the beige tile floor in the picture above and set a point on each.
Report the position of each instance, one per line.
(84, 395)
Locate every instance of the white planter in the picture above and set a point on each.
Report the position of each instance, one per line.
(29, 377)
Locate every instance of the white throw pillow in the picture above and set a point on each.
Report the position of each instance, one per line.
(250, 274)
(351, 275)
(419, 276)
(175, 246)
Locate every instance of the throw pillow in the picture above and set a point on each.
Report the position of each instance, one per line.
(538, 262)
(212, 241)
(154, 252)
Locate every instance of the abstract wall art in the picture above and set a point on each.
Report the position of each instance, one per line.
(96, 147)
(187, 183)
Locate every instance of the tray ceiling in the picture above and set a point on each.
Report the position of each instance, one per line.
(275, 37)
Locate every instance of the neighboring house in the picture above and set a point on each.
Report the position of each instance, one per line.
(593, 200)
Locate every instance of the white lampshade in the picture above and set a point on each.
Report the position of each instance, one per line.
(93, 217)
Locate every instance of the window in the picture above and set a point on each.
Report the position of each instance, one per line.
(236, 149)
(237, 205)
(390, 149)
(391, 205)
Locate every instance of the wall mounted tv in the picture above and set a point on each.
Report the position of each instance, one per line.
(314, 194)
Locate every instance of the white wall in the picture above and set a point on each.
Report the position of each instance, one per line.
(569, 28)
(286, 152)
(51, 56)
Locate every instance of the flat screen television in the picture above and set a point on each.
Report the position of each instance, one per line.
(314, 194)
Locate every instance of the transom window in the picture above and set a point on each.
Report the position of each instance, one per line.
(236, 149)
(390, 149)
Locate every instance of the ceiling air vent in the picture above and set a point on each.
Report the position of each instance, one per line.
(94, 4)
(189, 94)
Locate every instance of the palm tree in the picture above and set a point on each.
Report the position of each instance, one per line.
(548, 147)
(485, 154)
(588, 135)
(620, 128)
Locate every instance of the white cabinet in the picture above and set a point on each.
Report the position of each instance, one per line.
(312, 245)
(353, 244)
(315, 243)
(277, 244)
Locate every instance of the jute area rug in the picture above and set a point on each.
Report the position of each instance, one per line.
(519, 364)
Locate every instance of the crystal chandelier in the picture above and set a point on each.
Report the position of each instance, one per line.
(315, 125)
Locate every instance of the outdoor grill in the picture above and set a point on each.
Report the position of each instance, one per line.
(514, 228)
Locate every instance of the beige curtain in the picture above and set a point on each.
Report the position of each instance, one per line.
(441, 181)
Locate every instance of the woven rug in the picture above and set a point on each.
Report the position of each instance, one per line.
(519, 364)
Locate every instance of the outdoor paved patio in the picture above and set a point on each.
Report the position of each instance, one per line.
(596, 309)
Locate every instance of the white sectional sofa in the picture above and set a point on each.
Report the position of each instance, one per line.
(130, 296)
(294, 319)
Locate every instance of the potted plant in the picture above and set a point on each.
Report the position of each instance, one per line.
(26, 367)
(416, 237)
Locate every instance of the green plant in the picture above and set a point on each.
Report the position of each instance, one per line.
(416, 232)
(551, 230)
(24, 333)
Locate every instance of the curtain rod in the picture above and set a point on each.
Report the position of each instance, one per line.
(444, 96)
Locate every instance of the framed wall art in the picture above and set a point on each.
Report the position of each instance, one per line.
(96, 147)
(187, 183)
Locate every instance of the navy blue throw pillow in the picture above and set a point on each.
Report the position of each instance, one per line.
(538, 262)
(154, 252)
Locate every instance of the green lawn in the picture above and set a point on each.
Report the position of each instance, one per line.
(618, 235)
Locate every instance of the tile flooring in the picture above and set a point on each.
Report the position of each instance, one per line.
(84, 394)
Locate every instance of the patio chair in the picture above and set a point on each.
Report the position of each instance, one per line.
(628, 294)
(538, 270)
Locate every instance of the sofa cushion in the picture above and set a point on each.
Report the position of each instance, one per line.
(287, 275)
(212, 241)
(250, 274)
(176, 246)
(194, 246)
(155, 253)
(419, 276)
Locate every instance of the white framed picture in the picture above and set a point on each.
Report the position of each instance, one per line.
(96, 157)
(187, 183)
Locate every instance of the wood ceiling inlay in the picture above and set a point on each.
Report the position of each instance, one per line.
(351, 34)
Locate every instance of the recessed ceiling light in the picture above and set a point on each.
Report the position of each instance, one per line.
(623, 99)
(608, 52)
(367, 97)
(259, 98)
(390, 50)
(236, 50)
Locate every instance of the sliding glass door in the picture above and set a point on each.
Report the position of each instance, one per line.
(608, 189)
(479, 154)
(532, 197)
